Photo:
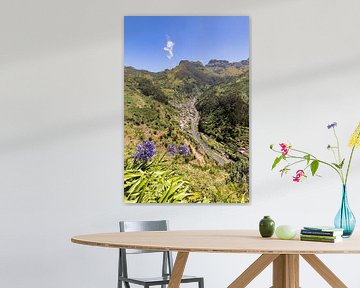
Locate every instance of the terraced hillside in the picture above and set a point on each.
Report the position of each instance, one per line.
(194, 121)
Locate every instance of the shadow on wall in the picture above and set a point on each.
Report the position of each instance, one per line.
(311, 74)
(56, 134)
(75, 23)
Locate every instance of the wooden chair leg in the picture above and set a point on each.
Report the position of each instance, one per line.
(178, 269)
(324, 271)
(253, 270)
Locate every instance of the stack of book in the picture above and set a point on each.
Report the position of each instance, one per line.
(321, 234)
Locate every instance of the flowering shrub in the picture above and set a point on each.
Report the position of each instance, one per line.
(184, 151)
(172, 149)
(149, 179)
(292, 156)
(144, 151)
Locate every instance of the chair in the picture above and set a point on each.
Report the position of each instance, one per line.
(167, 262)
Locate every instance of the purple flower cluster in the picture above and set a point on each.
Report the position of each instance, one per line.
(332, 125)
(184, 151)
(172, 149)
(144, 151)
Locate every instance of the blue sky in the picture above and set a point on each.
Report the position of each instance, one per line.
(196, 38)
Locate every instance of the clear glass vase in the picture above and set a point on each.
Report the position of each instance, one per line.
(345, 219)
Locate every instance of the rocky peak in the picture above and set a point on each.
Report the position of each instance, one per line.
(225, 67)
(219, 63)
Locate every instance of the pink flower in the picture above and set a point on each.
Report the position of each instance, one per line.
(284, 148)
(300, 174)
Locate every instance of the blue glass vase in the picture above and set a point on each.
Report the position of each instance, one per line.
(345, 219)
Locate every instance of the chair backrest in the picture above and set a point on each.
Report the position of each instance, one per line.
(137, 226)
(133, 226)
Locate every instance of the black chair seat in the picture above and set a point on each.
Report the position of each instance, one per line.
(158, 280)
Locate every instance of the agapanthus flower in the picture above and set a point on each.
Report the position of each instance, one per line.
(184, 151)
(355, 137)
(144, 151)
(332, 125)
(300, 174)
(284, 148)
(172, 149)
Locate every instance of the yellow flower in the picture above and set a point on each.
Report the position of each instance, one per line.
(355, 137)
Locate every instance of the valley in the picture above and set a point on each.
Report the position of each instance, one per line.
(204, 108)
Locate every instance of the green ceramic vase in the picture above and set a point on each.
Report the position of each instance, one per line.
(266, 227)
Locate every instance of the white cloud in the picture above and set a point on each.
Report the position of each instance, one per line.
(169, 49)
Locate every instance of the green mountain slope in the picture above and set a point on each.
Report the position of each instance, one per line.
(195, 106)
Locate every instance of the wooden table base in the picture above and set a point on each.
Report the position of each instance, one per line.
(178, 270)
(286, 271)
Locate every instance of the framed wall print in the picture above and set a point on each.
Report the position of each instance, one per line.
(186, 102)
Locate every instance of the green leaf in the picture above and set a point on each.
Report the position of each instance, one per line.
(339, 166)
(307, 157)
(276, 162)
(336, 165)
(314, 166)
(271, 146)
(342, 163)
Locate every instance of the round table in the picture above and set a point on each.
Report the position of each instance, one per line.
(284, 254)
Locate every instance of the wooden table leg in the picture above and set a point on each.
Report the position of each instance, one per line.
(253, 270)
(324, 271)
(178, 269)
(286, 271)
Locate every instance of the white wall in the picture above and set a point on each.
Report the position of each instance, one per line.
(61, 133)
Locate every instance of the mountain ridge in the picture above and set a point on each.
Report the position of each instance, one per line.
(217, 66)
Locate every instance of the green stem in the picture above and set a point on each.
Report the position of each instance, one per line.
(296, 162)
(333, 152)
(312, 159)
(348, 167)
(338, 145)
(323, 162)
(339, 155)
(304, 152)
(162, 157)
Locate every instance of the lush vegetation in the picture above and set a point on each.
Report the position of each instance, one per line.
(153, 182)
(224, 111)
(160, 109)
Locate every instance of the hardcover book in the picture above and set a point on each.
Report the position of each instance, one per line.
(323, 228)
(321, 233)
(325, 240)
(319, 237)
